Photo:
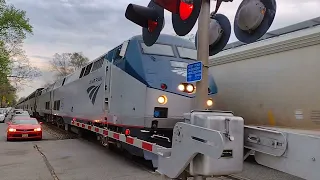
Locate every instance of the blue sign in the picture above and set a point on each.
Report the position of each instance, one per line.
(194, 72)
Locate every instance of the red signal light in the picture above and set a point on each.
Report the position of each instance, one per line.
(184, 13)
(127, 132)
(185, 10)
(163, 86)
(150, 18)
(152, 25)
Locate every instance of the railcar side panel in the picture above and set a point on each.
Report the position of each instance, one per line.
(83, 98)
(127, 100)
(274, 90)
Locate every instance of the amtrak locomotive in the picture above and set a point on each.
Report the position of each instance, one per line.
(133, 89)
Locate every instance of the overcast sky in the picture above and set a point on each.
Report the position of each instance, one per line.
(95, 26)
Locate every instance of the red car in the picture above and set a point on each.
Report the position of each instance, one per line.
(24, 128)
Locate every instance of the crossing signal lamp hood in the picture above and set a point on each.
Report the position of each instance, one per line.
(150, 18)
(184, 13)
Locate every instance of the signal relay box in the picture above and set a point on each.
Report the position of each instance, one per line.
(232, 128)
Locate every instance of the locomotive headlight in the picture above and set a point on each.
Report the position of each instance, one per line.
(190, 88)
(181, 87)
(162, 99)
(209, 102)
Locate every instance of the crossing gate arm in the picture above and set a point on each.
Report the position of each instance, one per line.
(188, 140)
(147, 146)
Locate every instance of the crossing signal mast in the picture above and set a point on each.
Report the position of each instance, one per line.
(252, 20)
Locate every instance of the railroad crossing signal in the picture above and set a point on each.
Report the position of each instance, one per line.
(252, 21)
(261, 13)
(184, 16)
(184, 13)
(219, 33)
(150, 18)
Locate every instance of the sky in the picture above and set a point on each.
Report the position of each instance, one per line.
(94, 27)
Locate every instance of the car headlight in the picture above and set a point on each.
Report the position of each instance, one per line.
(37, 129)
(162, 99)
(11, 130)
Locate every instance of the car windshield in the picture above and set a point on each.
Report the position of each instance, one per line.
(187, 53)
(24, 121)
(158, 49)
(21, 112)
(22, 115)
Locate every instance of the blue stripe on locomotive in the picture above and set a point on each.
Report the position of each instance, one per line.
(152, 70)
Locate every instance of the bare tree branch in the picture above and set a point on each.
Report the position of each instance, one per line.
(66, 63)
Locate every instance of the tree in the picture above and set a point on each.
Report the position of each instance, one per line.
(4, 63)
(66, 63)
(22, 72)
(7, 94)
(14, 64)
(14, 26)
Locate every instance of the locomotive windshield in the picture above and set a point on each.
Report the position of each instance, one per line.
(167, 50)
(187, 53)
(158, 49)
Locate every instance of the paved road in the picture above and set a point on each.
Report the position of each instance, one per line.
(76, 159)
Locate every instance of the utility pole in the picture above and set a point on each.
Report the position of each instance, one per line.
(203, 55)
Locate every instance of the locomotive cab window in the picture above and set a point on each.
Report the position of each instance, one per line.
(117, 59)
(56, 105)
(64, 80)
(97, 64)
(187, 53)
(117, 53)
(88, 69)
(82, 72)
(157, 49)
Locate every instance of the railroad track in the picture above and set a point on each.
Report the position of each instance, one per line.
(136, 161)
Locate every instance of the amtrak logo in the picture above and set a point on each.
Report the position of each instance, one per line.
(93, 91)
(180, 71)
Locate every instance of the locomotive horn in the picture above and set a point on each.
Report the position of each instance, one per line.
(253, 19)
(219, 33)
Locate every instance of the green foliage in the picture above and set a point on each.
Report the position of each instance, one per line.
(7, 93)
(14, 27)
(13, 23)
(4, 63)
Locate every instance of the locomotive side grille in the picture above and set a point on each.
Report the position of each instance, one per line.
(315, 115)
